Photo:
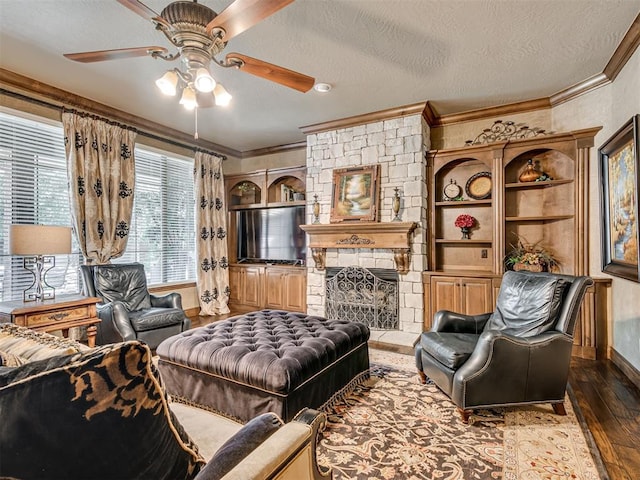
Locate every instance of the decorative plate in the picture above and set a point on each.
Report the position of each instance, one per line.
(479, 186)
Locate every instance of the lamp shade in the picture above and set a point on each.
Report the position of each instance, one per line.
(222, 96)
(39, 240)
(168, 83)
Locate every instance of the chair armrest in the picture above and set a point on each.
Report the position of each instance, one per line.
(115, 325)
(448, 321)
(493, 340)
(288, 454)
(171, 300)
(503, 369)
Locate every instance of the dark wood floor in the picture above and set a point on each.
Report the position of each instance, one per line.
(610, 405)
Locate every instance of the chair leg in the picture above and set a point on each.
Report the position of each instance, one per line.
(423, 377)
(558, 408)
(464, 415)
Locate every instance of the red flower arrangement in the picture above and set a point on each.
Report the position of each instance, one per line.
(465, 221)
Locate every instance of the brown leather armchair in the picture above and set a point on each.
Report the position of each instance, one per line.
(519, 354)
(128, 311)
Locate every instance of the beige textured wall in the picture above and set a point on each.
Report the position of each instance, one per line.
(289, 158)
(611, 107)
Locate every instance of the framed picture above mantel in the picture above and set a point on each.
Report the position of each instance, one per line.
(356, 194)
(619, 176)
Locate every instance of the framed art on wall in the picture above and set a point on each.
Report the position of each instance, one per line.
(355, 194)
(619, 175)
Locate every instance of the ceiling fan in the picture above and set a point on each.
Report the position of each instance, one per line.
(199, 34)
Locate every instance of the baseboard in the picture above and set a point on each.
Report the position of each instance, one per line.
(622, 363)
(192, 312)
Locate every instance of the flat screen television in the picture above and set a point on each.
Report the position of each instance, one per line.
(271, 235)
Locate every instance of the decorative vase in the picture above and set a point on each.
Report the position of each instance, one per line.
(465, 233)
(395, 205)
(316, 209)
(529, 174)
(528, 267)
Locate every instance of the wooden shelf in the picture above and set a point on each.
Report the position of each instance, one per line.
(292, 203)
(463, 242)
(463, 203)
(546, 183)
(543, 218)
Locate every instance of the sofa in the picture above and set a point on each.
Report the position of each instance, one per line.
(73, 412)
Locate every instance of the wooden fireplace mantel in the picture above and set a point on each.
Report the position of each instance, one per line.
(392, 235)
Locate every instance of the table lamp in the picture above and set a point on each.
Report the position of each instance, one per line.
(37, 244)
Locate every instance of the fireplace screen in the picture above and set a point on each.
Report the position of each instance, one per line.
(364, 295)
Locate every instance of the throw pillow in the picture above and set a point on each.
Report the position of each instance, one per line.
(11, 360)
(31, 345)
(125, 283)
(528, 303)
(102, 414)
(246, 440)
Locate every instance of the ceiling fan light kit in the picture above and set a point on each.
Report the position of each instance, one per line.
(199, 34)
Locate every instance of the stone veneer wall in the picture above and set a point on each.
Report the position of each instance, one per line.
(399, 146)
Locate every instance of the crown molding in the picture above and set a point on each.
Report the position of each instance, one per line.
(579, 89)
(406, 110)
(56, 97)
(627, 47)
(276, 149)
(497, 111)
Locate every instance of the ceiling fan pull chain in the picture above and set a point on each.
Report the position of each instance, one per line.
(195, 135)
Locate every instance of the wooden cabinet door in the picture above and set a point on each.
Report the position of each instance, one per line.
(251, 287)
(296, 291)
(476, 296)
(444, 294)
(235, 276)
(275, 288)
(468, 295)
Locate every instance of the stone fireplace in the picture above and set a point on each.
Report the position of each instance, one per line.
(398, 145)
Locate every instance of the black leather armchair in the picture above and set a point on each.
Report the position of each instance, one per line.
(519, 354)
(128, 311)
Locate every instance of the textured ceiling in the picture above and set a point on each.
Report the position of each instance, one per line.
(458, 54)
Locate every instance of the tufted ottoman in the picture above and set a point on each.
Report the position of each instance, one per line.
(266, 361)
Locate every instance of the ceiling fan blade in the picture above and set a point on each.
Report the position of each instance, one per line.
(243, 14)
(274, 73)
(145, 12)
(102, 55)
(140, 8)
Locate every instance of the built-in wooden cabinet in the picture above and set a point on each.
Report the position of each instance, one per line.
(245, 284)
(286, 288)
(276, 187)
(254, 287)
(464, 274)
(260, 285)
(470, 295)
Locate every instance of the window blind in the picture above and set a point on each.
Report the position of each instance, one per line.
(162, 234)
(34, 190)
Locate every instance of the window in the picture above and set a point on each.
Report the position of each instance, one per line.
(162, 234)
(33, 189)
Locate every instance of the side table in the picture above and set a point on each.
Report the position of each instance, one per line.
(61, 313)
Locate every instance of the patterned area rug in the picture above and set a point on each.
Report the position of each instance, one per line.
(394, 427)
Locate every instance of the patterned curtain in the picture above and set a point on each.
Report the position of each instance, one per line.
(211, 226)
(101, 174)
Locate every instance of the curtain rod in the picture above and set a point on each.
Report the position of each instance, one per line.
(53, 106)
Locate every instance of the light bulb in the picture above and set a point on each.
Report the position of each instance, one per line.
(223, 98)
(168, 83)
(204, 82)
(188, 99)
